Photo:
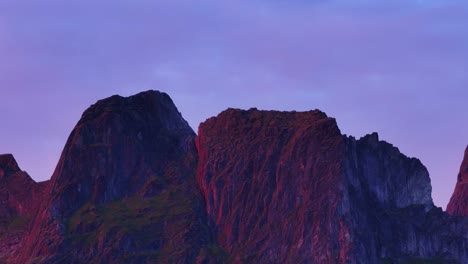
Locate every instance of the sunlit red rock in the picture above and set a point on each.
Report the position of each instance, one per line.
(124, 190)
(458, 204)
(288, 187)
(272, 184)
(20, 197)
(135, 184)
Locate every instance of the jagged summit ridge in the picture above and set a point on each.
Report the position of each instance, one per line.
(154, 102)
(458, 204)
(19, 199)
(128, 164)
(8, 165)
(136, 185)
(260, 172)
(392, 178)
(463, 176)
(295, 175)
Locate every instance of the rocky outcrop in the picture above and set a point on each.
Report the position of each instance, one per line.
(287, 187)
(458, 204)
(390, 195)
(273, 185)
(124, 190)
(19, 199)
(135, 184)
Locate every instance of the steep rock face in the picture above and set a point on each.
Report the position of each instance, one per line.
(19, 198)
(124, 189)
(458, 204)
(390, 194)
(287, 187)
(273, 185)
(134, 185)
(391, 179)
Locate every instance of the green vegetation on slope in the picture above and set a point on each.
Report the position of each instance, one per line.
(162, 228)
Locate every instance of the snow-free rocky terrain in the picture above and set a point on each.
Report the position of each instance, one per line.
(135, 184)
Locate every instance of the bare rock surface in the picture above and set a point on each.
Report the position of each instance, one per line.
(135, 184)
(288, 187)
(124, 190)
(20, 197)
(272, 183)
(458, 204)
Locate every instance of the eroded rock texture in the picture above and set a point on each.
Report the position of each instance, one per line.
(390, 209)
(273, 185)
(458, 204)
(136, 185)
(287, 187)
(124, 190)
(19, 200)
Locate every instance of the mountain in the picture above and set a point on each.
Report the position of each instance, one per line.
(458, 204)
(19, 199)
(135, 184)
(288, 187)
(124, 190)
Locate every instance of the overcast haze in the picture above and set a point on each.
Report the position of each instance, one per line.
(396, 67)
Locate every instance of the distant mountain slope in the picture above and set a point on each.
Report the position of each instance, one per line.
(124, 190)
(135, 184)
(20, 197)
(287, 187)
(458, 204)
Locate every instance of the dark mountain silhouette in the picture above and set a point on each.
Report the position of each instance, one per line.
(135, 184)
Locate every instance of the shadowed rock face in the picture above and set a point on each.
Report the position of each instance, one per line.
(391, 179)
(288, 187)
(19, 199)
(135, 185)
(458, 204)
(124, 189)
(389, 206)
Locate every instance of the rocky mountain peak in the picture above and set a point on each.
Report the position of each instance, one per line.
(135, 184)
(265, 175)
(20, 197)
(129, 164)
(370, 139)
(157, 104)
(105, 154)
(463, 176)
(8, 165)
(392, 178)
(458, 204)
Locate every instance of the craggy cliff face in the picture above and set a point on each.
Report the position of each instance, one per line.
(390, 210)
(19, 198)
(458, 204)
(124, 189)
(288, 187)
(136, 185)
(272, 183)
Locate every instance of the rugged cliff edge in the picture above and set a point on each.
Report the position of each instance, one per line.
(389, 195)
(287, 187)
(458, 204)
(135, 184)
(19, 198)
(124, 190)
(273, 183)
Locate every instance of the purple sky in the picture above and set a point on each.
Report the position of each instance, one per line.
(396, 67)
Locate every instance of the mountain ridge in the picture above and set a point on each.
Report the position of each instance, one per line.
(458, 204)
(135, 184)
